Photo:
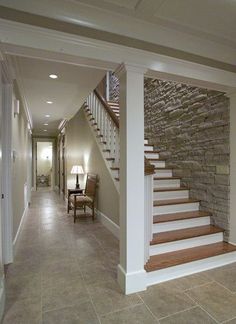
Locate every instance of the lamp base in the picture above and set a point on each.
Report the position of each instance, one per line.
(77, 182)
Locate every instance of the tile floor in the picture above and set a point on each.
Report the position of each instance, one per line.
(66, 273)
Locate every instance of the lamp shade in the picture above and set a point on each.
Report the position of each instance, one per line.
(77, 169)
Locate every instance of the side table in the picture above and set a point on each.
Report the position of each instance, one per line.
(71, 192)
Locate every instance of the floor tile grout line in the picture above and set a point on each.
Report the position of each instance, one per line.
(202, 308)
(228, 320)
(220, 284)
(179, 312)
(148, 308)
(198, 286)
(122, 309)
(90, 298)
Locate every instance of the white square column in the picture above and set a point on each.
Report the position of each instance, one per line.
(232, 220)
(131, 273)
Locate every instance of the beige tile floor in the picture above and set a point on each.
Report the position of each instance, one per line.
(66, 273)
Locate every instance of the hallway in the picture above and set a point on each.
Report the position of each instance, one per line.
(65, 273)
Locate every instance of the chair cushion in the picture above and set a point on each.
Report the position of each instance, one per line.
(80, 199)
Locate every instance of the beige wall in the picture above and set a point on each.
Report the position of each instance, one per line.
(81, 148)
(21, 144)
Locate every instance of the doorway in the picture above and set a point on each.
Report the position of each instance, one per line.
(44, 165)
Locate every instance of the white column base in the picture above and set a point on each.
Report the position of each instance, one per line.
(131, 282)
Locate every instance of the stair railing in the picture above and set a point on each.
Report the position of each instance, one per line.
(107, 123)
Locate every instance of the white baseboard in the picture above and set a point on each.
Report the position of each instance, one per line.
(132, 282)
(16, 239)
(2, 297)
(109, 224)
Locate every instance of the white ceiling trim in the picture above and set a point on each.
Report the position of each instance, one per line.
(158, 31)
(51, 40)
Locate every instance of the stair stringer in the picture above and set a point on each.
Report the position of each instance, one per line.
(101, 147)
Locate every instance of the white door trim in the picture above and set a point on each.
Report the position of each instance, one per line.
(44, 139)
(7, 221)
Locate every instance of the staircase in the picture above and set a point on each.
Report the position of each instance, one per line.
(180, 238)
(183, 239)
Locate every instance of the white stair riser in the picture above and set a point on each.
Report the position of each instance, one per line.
(152, 156)
(185, 244)
(180, 224)
(165, 183)
(145, 141)
(163, 173)
(186, 269)
(178, 208)
(159, 164)
(155, 163)
(115, 173)
(106, 155)
(148, 148)
(164, 195)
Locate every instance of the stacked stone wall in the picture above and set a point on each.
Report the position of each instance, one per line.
(114, 89)
(190, 127)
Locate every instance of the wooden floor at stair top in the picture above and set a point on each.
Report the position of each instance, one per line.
(171, 259)
(185, 233)
(179, 216)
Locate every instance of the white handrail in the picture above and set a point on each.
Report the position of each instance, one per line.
(105, 124)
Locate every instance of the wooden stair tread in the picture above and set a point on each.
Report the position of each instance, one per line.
(166, 178)
(117, 179)
(151, 152)
(148, 145)
(115, 168)
(164, 189)
(179, 201)
(153, 159)
(110, 159)
(170, 259)
(179, 216)
(163, 169)
(185, 233)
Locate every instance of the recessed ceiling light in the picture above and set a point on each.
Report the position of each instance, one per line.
(45, 130)
(53, 76)
(49, 102)
(45, 124)
(47, 116)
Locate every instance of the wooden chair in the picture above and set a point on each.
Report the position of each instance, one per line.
(78, 201)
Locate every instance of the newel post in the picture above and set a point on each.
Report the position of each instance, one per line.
(131, 273)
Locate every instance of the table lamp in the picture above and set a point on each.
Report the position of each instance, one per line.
(77, 169)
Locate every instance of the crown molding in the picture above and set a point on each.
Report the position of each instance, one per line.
(159, 66)
(161, 36)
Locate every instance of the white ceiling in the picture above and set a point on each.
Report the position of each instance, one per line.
(212, 17)
(68, 92)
